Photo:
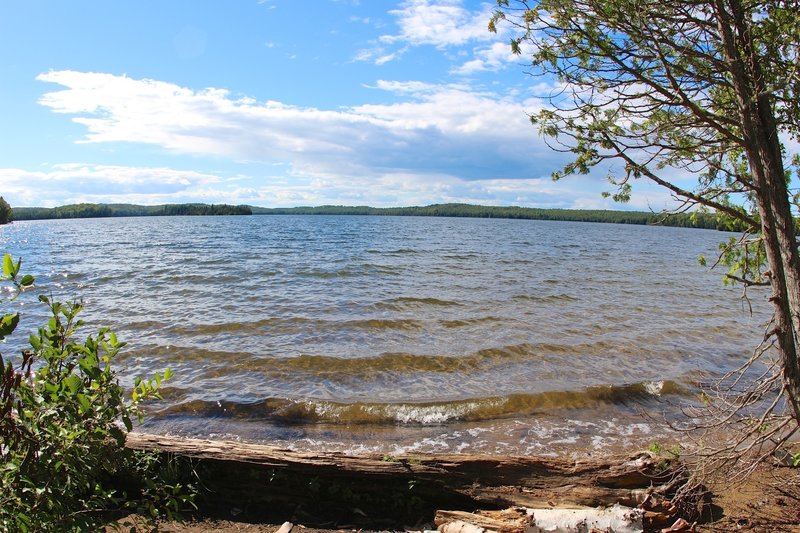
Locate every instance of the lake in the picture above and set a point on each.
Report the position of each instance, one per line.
(401, 334)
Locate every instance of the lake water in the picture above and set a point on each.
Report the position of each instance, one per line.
(401, 334)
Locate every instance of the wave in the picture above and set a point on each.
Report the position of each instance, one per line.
(324, 274)
(275, 325)
(144, 325)
(301, 366)
(548, 298)
(310, 411)
(399, 251)
(413, 302)
(384, 324)
(356, 270)
(396, 362)
(282, 326)
(459, 323)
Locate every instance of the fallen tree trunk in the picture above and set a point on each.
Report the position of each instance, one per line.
(250, 477)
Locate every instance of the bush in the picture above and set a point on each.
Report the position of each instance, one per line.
(63, 421)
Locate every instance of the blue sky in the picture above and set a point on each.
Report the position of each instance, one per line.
(274, 103)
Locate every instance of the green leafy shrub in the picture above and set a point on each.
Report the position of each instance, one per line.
(63, 421)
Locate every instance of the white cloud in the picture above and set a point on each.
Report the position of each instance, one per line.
(379, 55)
(442, 24)
(384, 58)
(432, 128)
(75, 183)
(493, 58)
(439, 23)
(436, 143)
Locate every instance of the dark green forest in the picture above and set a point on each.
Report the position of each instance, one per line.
(688, 220)
(127, 210)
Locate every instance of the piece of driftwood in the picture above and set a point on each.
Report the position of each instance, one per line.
(459, 526)
(252, 477)
(513, 520)
(616, 519)
(286, 527)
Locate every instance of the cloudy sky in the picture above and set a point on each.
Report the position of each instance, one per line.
(274, 103)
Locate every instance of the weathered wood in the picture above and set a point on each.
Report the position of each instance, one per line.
(506, 521)
(285, 528)
(458, 526)
(616, 519)
(529, 472)
(255, 476)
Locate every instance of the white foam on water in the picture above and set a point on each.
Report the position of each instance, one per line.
(224, 436)
(654, 387)
(427, 445)
(430, 414)
(566, 440)
(425, 415)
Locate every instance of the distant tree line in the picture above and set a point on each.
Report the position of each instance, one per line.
(705, 220)
(127, 210)
(205, 209)
(689, 220)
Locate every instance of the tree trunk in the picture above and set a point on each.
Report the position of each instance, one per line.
(255, 479)
(763, 149)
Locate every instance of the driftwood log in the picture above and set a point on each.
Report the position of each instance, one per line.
(616, 519)
(254, 480)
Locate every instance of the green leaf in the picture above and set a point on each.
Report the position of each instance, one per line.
(118, 435)
(86, 406)
(73, 382)
(24, 522)
(8, 323)
(127, 421)
(36, 342)
(26, 281)
(8, 266)
(89, 364)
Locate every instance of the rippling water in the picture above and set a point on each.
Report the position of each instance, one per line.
(400, 334)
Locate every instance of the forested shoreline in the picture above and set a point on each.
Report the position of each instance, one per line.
(88, 210)
(688, 220)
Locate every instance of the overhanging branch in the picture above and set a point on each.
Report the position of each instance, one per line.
(738, 215)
